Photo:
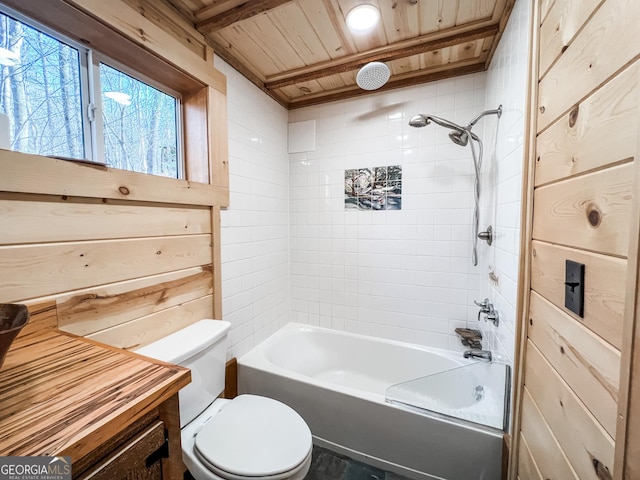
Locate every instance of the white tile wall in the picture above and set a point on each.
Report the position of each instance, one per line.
(502, 177)
(404, 275)
(255, 227)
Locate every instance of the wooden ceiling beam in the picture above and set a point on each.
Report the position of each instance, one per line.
(216, 8)
(236, 14)
(407, 81)
(382, 54)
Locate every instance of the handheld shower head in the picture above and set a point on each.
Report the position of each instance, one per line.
(418, 121)
(460, 135)
(421, 120)
(445, 123)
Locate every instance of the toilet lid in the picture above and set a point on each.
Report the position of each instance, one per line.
(254, 436)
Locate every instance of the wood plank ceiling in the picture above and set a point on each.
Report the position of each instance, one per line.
(302, 53)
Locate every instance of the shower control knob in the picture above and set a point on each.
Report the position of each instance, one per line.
(484, 305)
(487, 236)
(493, 317)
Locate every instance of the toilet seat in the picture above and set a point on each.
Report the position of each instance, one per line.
(303, 467)
(254, 437)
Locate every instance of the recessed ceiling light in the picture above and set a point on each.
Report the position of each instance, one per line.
(363, 18)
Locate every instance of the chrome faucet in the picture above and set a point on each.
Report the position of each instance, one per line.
(485, 306)
(490, 313)
(484, 355)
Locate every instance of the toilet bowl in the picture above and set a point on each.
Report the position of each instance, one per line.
(248, 437)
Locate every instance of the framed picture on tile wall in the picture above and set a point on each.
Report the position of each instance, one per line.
(377, 188)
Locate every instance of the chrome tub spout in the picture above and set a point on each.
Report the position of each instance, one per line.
(484, 355)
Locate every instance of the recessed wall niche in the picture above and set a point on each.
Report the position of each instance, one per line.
(377, 188)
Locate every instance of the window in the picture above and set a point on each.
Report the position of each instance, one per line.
(40, 91)
(63, 99)
(139, 124)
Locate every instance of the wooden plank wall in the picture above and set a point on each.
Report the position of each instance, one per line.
(127, 258)
(586, 145)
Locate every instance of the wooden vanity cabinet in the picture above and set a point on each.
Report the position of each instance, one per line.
(139, 457)
(149, 449)
(136, 453)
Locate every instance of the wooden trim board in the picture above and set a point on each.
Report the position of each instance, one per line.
(26, 173)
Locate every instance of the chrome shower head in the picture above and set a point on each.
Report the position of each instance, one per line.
(459, 138)
(421, 120)
(445, 123)
(460, 135)
(418, 121)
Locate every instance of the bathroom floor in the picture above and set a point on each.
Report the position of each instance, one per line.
(328, 465)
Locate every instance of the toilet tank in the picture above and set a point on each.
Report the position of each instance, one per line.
(201, 347)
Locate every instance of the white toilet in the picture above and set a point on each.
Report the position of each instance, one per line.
(249, 437)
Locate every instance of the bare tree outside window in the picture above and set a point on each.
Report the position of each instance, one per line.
(40, 91)
(140, 131)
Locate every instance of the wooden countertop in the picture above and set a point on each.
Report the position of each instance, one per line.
(65, 395)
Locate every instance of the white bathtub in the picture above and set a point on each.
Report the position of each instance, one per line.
(337, 382)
